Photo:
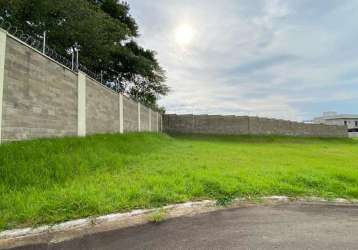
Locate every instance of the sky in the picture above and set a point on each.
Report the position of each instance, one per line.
(289, 59)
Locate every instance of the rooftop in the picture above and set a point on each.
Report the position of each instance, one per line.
(334, 115)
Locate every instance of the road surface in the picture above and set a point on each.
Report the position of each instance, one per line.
(290, 226)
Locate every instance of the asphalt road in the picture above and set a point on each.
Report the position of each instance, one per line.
(294, 226)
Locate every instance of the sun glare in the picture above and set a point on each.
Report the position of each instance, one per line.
(184, 35)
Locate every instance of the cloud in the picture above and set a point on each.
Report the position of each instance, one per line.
(283, 59)
(262, 64)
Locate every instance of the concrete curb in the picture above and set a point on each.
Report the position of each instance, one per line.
(78, 228)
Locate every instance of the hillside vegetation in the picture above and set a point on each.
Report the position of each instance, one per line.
(48, 181)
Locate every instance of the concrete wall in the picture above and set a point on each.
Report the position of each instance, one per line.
(130, 115)
(42, 98)
(160, 123)
(39, 96)
(154, 122)
(144, 118)
(244, 125)
(102, 109)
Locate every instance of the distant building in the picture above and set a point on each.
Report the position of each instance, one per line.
(332, 118)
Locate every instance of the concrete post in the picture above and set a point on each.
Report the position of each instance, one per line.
(161, 123)
(2, 73)
(150, 120)
(121, 114)
(81, 115)
(157, 121)
(139, 128)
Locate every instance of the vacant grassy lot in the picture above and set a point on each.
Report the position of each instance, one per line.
(47, 181)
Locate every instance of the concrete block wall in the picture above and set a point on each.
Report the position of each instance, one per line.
(206, 124)
(42, 98)
(244, 125)
(130, 115)
(39, 98)
(154, 121)
(102, 109)
(160, 122)
(144, 116)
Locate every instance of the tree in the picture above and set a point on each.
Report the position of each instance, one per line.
(119, 11)
(106, 32)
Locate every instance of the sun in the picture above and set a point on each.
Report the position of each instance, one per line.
(184, 35)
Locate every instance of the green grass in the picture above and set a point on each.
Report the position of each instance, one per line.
(157, 216)
(48, 181)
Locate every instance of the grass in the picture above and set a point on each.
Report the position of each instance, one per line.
(157, 216)
(49, 181)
